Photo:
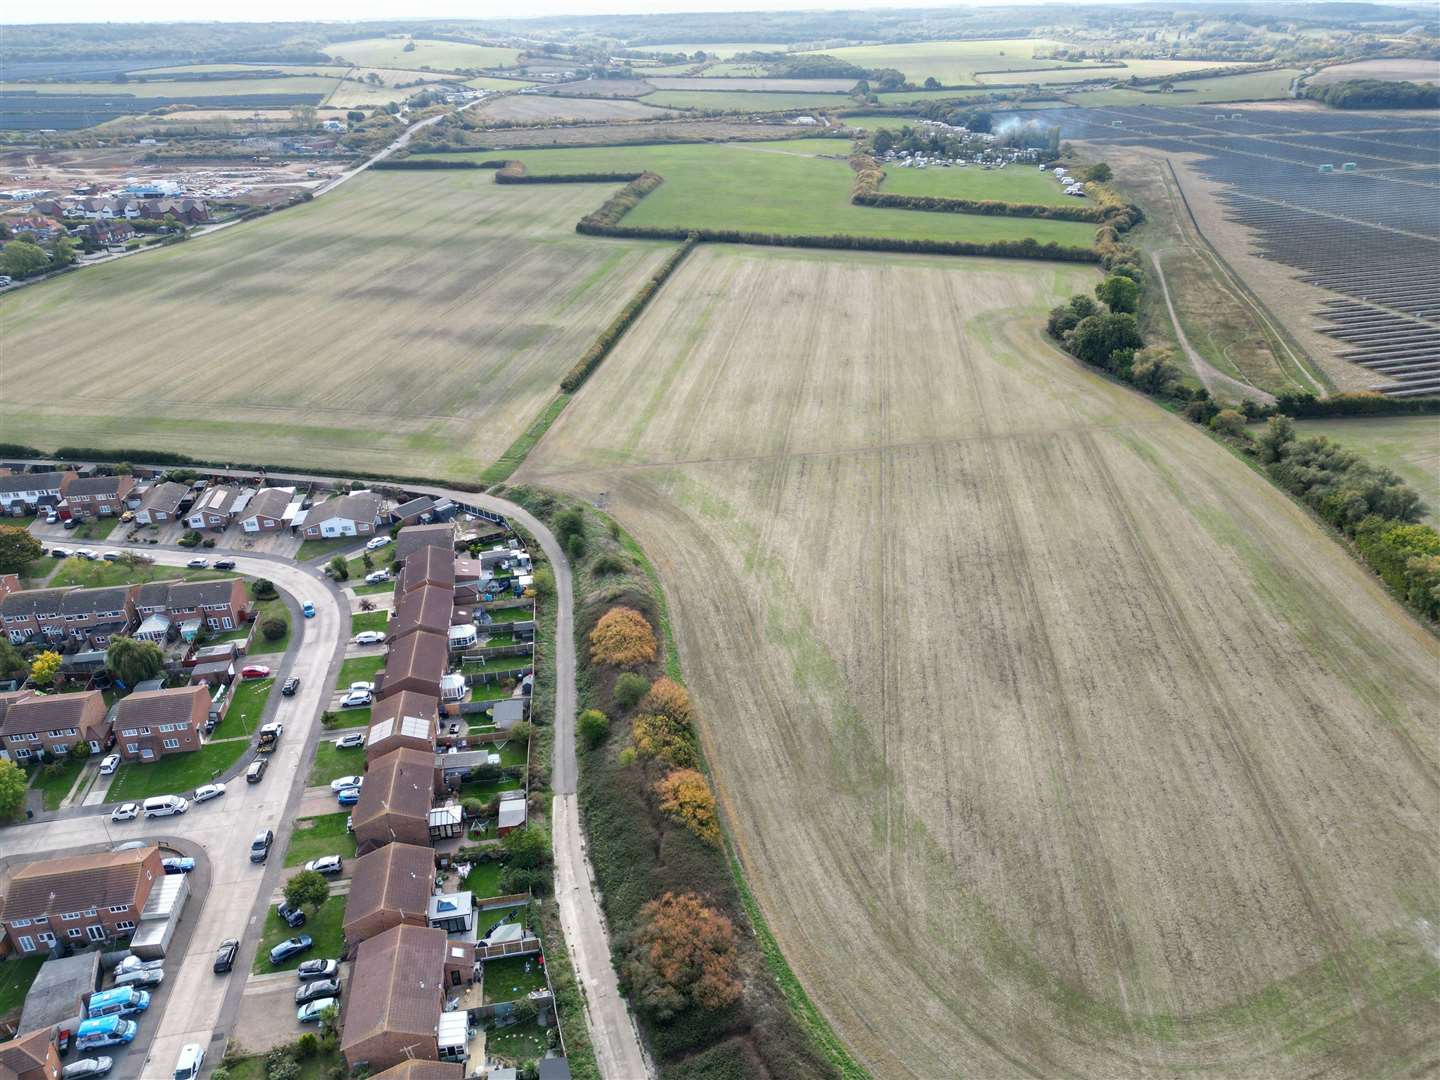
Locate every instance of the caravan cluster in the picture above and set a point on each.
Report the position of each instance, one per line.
(1068, 182)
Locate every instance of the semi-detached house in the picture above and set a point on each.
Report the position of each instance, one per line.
(30, 489)
(79, 898)
(97, 496)
(150, 724)
(54, 723)
(219, 605)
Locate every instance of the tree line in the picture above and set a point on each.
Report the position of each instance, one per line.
(1375, 94)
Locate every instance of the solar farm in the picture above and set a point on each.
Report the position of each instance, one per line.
(1350, 201)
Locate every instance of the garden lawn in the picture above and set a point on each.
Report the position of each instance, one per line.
(320, 1067)
(314, 549)
(518, 1042)
(325, 926)
(516, 613)
(317, 836)
(507, 979)
(492, 691)
(99, 529)
(175, 774)
(247, 706)
(270, 609)
(369, 590)
(485, 790)
(483, 880)
(16, 975)
(799, 187)
(369, 620)
(360, 669)
(331, 761)
(55, 788)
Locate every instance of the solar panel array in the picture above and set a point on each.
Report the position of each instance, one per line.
(1370, 233)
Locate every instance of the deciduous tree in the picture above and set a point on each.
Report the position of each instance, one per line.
(681, 955)
(593, 725)
(686, 796)
(133, 661)
(527, 848)
(12, 789)
(44, 668)
(17, 549)
(307, 889)
(1119, 293)
(622, 638)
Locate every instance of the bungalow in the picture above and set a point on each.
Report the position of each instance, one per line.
(97, 496)
(356, 514)
(29, 489)
(388, 887)
(161, 503)
(411, 512)
(151, 724)
(55, 723)
(428, 566)
(415, 537)
(215, 508)
(266, 511)
(406, 719)
(415, 662)
(394, 999)
(428, 608)
(395, 800)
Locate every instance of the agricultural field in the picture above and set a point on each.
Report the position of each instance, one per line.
(745, 101)
(536, 108)
(388, 52)
(724, 50)
(1012, 184)
(1165, 800)
(920, 97)
(1415, 70)
(819, 86)
(1145, 69)
(806, 184)
(1251, 86)
(409, 322)
(1408, 444)
(954, 63)
(181, 89)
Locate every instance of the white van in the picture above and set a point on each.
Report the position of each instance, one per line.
(165, 805)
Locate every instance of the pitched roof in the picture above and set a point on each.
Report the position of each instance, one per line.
(269, 502)
(406, 713)
(75, 883)
(97, 485)
(25, 1053)
(187, 594)
(396, 985)
(401, 783)
(180, 706)
(39, 481)
(30, 601)
(153, 593)
(396, 877)
(422, 655)
(415, 537)
(85, 601)
(417, 505)
(217, 500)
(432, 565)
(357, 506)
(425, 608)
(10, 697)
(166, 496)
(50, 711)
(418, 1069)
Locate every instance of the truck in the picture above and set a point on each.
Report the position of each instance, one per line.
(105, 1031)
(270, 737)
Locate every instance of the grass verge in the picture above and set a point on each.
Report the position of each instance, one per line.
(369, 620)
(271, 609)
(175, 774)
(247, 706)
(16, 975)
(316, 836)
(53, 789)
(324, 926)
(331, 762)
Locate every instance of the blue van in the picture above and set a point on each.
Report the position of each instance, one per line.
(119, 1001)
(106, 1031)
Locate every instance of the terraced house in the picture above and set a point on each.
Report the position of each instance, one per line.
(97, 496)
(54, 723)
(219, 605)
(150, 724)
(25, 491)
(79, 898)
(60, 616)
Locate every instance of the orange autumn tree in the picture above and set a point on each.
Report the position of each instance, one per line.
(622, 638)
(658, 736)
(686, 796)
(668, 698)
(681, 955)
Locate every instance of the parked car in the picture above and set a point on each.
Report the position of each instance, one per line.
(87, 555)
(165, 806)
(290, 947)
(292, 916)
(260, 846)
(356, 699)
(206, 792)
(368, 687)
(109, 763)
(198, 563)
(255, 671)
(131, 962)
(225, 955)
(312, 1010)
(346, 781)
(111, 556)
(291, 685)
(60, 553)
(327, 864)
(87, 1067)
(69, 523)
(125, 812)
(307, 609)
(178, 865)
(375, 577)
(224, 564)
(256, 771)
(377, 543)
(318, 969)
(350, 741)
(140, 977)
(349, 797)
(370, 637)
(131, 845)
(190, 1062)
(321, 988)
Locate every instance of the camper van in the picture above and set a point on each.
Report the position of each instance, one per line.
(119, 1001)
(106, 1031)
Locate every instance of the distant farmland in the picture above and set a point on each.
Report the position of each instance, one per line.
(410, 323)
(1054, 739)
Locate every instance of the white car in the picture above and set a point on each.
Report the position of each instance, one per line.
(346, 781)
(109, 763)
(206, 792)
(370, 637)
(191, 1061)
(368, 687)
(375, 577)
(85, 553)
(351, 741)
(125, 812)
(356, 698)
(198, 564)
(377, 543)
(326, 864)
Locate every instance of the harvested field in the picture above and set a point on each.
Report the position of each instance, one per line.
(600, 88)
(745, 100)
(634, 132)
(954, 63)
(724, 49)
(410, 323)
(1416, 70)
(1251, 86)
(821, 86)
(1025, 700)
(1145, 69)
(537, 108)
(388, 52)
(1012, 184)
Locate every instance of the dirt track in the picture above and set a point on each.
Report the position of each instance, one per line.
(1054, 739)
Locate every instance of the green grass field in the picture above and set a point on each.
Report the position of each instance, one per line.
(360, 669)
(748, 100)
(1408, 444)
(507, 979)
(265, 610)
(387, 52)
(804, 193)
(332, 762)
(369, 620)
(247, 705)
(101, 574)
(16, 975)
(1014, 183)
(317, 836)
(1252, 86)
(1144, 69)
(954, 63)
(724, 50)
(325, 926)
(53, 789)
(176, 774)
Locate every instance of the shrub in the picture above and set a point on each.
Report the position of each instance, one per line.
(659, 736)
(189, 539)
(593, 725)
(473, 808)
(279, 1065)
(622, 638)
(339, 569)
(686, 796)
(629, 689)
(263, 589)
(1228, 422)
(575, 547)
(308, 1045)
(273, 628)
(609, 564)
(669, 698)
(681, 955)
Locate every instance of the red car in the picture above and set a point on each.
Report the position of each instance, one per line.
(255, 671)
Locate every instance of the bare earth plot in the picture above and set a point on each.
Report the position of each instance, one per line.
(1413, 70)
(1055, 741)
(411, 323)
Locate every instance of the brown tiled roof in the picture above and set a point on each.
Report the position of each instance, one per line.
(96, 485)
(401, 782)
(183, 706)
(186, 594)
(29, 601)
(358, 506)
(28, 1052)
(423, 1070)
(47, 712)
(165, 496)
(75, 883)
(269, 502)
(396, 877)
(428, 566)
(421, 655)
(414, 538)
(396, 985)
(10, 697)
(407, 703)
(36, 481)
(425, 608)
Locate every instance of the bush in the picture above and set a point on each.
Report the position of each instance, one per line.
(190, 539)
(686, 796)
(663, 737)
(681, 955)
(592, 726)
(575, 547)
(622, 638)
(263, 589)
(273, 628)
(609, 564)
(308, 1045)
(629, 689)
(279, 1065)
(339, 569)
(1228, 422)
